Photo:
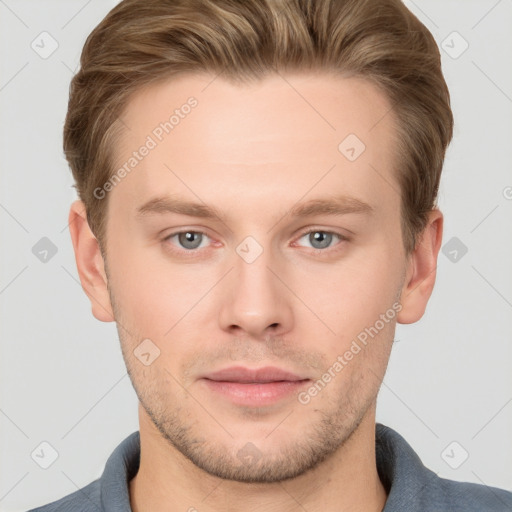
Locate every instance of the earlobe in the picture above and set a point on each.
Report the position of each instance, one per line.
(89, 262)
(421, 271)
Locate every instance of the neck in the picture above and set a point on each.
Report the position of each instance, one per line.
(168, 481)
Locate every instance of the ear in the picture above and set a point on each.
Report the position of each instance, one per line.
(89, 262)
(421, 270)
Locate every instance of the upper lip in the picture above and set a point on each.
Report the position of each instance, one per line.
(256, 375)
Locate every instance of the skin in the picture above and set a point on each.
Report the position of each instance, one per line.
(254, 152)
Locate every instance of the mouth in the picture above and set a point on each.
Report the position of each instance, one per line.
(254, 387)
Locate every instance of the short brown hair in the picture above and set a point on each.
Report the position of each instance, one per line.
(142, 42)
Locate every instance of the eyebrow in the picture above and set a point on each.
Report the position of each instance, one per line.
(335, 205)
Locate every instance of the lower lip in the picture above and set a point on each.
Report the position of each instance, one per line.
(256, 394)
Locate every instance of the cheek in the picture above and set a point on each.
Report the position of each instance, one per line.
(353, 300)
(150, 294)
(359, 288)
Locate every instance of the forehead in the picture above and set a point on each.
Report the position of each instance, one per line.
(279, 137)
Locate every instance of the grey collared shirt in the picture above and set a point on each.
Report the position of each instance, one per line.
(411, 487)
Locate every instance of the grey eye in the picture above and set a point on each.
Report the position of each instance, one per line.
(320, 239)
(190, 239)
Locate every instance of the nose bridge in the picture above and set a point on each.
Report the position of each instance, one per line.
(256, 300)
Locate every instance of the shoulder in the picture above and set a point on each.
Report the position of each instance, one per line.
(111, 490)
(464, 496)
(86, 499)
(413, 487)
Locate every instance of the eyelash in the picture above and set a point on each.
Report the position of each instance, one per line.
(193, 252)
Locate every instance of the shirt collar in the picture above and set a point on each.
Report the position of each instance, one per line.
(401, 471)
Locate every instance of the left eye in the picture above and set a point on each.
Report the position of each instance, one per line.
(188, 239)
(321, 239)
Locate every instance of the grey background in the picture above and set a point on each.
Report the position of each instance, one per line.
(63, 380)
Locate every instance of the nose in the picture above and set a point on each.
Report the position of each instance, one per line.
(255, 301)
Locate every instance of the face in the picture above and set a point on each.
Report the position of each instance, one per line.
(261, 261)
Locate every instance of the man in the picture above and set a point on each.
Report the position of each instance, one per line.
(257, 211)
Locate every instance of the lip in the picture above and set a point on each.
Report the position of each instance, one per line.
(254, 387)
(255, 375)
